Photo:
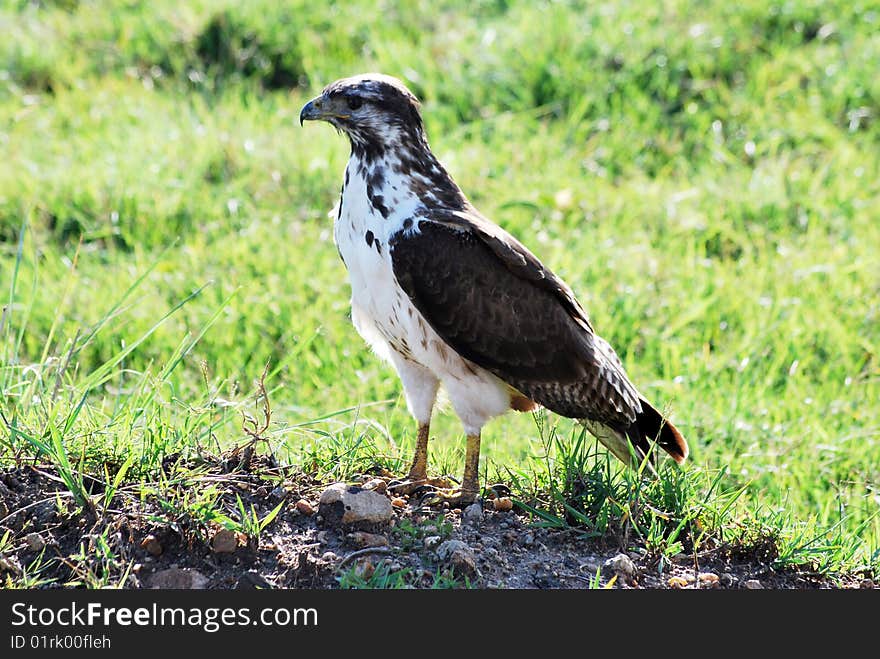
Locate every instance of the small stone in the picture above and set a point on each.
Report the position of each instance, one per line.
(397, 502)
(224, 542)
(867, 584)
(458, 556)
(364, 568)
(677, 582)
(376, 484)
(328, 557)
(152, 545)
(432, 541)
(473, 514)
(364, 539)
(10, 564)
(528, 540)
(728, 580)
(277, 492)
(754, 584)
(252, 580)
(621, 565)
(305, 508)
(178, 578)
(354, 507)
(34, 541)
(502, 505)
(708, 579)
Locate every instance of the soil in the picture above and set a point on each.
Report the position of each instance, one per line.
(142, 542)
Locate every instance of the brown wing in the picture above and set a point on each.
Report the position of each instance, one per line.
(494, 302)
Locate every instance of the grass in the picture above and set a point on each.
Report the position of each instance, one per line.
(705, 176)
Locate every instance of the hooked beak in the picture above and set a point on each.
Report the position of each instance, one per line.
(311, 111)
(320, 108)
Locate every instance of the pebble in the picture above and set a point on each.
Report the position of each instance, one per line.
(397, 502)
(473, 514)
(224, 542)
(152, 545)
(178, 578)
(728, 580)
(622, 565)
(677, 582)
(364, 539)
(754, 584)
(709, 579)
(458, 556)
(10, 564)
(432, 541)
(353, 506)
(502, 504)
(364, 568)
(305, 508)
(34, 541)
(328, 557)
(376, 484)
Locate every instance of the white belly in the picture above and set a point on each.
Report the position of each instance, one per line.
(385, 317)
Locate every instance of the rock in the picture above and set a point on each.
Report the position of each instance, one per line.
(251, 580)
(502, 505)
(224, 542)
(329, 557)
(708, 580)
(305, 508)
(364, 539)
(867, 584)
(528, 540)
(459, 557)
(728, 580)
(151, 545)
(397, 502)
(10, 564)
(34, 542)
(473, 514)
(354, 507)
(178, 578)
(622, 566)
(278, 492)
(364, 569)
(677, 582)
(376, 484)
(431, 541)
(754, 584)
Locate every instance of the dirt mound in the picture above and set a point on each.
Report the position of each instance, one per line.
(223, 527)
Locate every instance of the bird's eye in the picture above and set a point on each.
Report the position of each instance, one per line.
(354, 102)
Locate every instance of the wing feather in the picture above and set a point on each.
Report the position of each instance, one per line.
(497, 305)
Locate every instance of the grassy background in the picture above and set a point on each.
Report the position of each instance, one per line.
(704, 174)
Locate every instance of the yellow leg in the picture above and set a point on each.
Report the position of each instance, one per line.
(419, 470)
(469, 491)
(470, 484)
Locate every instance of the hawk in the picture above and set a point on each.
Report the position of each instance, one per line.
(452, 299)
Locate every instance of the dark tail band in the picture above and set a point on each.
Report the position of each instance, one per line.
(650, 426)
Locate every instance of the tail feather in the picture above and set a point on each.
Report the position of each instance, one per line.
(649, 427)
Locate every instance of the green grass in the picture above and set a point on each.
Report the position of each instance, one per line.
(705, 175)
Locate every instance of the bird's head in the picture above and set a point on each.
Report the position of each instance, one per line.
(373, 109)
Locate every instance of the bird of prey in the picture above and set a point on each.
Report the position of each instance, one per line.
(452, 299)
